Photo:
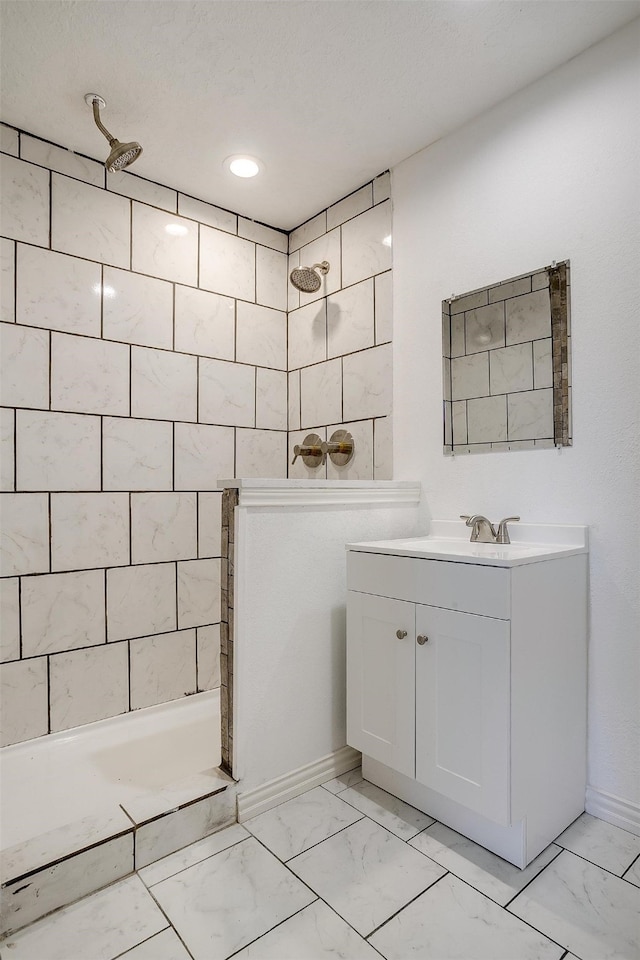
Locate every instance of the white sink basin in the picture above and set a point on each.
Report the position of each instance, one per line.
(461, 550)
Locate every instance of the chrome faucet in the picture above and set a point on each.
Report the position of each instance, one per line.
(503, 533)
(483, 531)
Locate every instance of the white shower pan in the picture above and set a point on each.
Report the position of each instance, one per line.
(82, 808)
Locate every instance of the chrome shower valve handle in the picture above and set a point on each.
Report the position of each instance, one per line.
(340, 448)
(310, 450)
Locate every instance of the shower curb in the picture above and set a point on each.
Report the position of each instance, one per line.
(57, 868)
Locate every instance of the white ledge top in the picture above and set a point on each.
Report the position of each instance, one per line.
(450, 540)
(256, 492)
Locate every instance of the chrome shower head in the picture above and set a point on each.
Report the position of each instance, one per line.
(122, 154)
(307, 279)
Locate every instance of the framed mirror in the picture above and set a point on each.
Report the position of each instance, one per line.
(506, 364)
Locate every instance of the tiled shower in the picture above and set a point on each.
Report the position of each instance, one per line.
(151, 345)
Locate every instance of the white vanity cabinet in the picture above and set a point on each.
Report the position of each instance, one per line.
(466, 690)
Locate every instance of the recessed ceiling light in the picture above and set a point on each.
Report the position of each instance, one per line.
(243, 166)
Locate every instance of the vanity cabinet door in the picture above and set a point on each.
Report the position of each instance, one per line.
(380, 679)
(463, 709)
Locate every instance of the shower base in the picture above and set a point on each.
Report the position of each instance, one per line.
(85, 807)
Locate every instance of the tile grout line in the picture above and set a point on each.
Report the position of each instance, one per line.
(65, 333)
(409, 902)
(635, 860)
(160, 908)
(106, 608)
(317, 896)
(593, 863)
(48, 658)
(131, 235)
(173, 455)
(101, 302)
(110, 643)
(131, 563)
(270, 930)
(15, 448)
(128, 643)
(123, 955)
(195, 641)
(177, 603)
(20, 626)
(50, 519)
(189, 286)
(50, 203)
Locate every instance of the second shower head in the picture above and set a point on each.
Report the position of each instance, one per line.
(308, 279)
(122, 154)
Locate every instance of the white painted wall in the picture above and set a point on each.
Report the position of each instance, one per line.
(290, 629)
(551, 173)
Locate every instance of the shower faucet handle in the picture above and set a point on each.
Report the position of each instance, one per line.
(340, 448)
(310, 450)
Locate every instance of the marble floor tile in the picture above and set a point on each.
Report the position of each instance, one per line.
(110, 921)
(163, 946)
(602, 843)
(396, 815)
(298, 824)
(586, 909)
(314, 932)
(194, 853)
(366, 874)
(480, 868)
(451, 921)
(633, 873)
(224, 903)
(348, 779)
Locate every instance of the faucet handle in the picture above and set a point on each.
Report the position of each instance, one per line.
(310, 450)
(503, 533)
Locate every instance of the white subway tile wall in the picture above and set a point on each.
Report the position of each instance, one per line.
(10, 618)
(63, 161)
(339, 343)
(261, 453)
(141, 600)
(89, 222)
(137, 309)
(7, 280)
(146, 354)
(162, 668)
(128, 185)
(58, 292)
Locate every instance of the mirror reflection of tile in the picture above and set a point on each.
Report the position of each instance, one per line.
(506, 364)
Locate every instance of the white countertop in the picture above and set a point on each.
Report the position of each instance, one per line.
(450, 540)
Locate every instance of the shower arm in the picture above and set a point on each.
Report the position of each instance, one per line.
(99, 124)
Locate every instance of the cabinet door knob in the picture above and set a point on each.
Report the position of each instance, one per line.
(401, 634)
(422, 640)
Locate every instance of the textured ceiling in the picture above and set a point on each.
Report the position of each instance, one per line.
(327, 94)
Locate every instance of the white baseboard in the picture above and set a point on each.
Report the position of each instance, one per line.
(615, 810)
(260, 799)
